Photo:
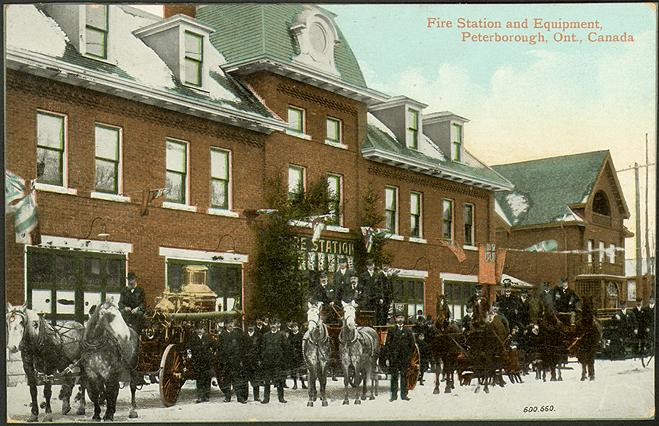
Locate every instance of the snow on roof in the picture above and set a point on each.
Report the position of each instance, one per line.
(135, 57)
(498, 210)
(215, 59)
(30, 29)
(518, 203)
(429, 148)
(373, 120)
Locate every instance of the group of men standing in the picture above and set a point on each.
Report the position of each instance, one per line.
(632, 328)
(372, 290)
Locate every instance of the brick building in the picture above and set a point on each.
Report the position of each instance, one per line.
(107, 104)
(574, 204)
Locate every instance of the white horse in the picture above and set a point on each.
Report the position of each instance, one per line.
(48, 354)
(316, 351)
(359, 348)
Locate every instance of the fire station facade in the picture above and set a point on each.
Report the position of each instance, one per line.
(222, 98)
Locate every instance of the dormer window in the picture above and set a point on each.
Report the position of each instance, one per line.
(194, 58)
(412, 129)
(96, 30)
(456, 142)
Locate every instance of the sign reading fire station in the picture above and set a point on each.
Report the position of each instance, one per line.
(323, 254)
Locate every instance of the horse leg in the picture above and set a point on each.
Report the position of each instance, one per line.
(81, 400)
(312, 385)
(346, 383)
(111, 393)
(47, 393)
(322, 381)
(94, 392)
(591, 368)
(65, 395)
(132, 414)
(34, 406)
(436, 390)
(449, 379)
(359, 374)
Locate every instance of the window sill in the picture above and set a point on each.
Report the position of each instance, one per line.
(336, 144)
(394, 237)
(336, 228)
(297, 134)
(417, 240)
(177, 206)
(55, 188)
(472, 248)
(222, 212)
(110, 197)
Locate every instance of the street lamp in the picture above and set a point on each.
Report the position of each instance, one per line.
(103, 234)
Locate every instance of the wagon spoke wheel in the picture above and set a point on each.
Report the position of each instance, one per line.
(412, 372)
(171, 375)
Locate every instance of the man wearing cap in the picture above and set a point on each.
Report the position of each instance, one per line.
(231, 357)
(508, 305)
(131, 303)
(342, 276)
(323, 292)
(273, 352)
(397, 353)
(524, 312)
(547, 299)
(252, 351)
(296, 356)
(639, 326)
(354, 291)
(371, 284)
(565, 299)
(200, 350)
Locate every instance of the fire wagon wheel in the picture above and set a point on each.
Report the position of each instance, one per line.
(171, 375)
(412, 372)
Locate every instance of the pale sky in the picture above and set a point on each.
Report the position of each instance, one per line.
(524, 101)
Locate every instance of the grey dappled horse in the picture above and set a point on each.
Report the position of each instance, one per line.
(316, 351)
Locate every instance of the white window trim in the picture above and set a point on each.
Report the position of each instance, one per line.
(417, 240)
(65, 158)
(217, 210)
(462, 141)
(86, 244)
(452, 238)
(396, 214)
(336, 145)
(340, 207)
(396, 237)
(449, 276)
(602, 252)
(222, 212)
(339, 143)
(420, 237)
(590, 245)
(82, 27)
(408, 142)
(46, 187)
(110, 197)
(473, 223)
(202, 255)
(297, 134)
(294, 132)
(304, 176)
(611, 253)
(204, 50)
(411, 273)
(120, 168)
(178, 206)
(171, 204)
(472, 248)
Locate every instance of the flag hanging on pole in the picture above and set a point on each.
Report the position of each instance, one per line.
(318, 224)
(369, 235)
(25, 219)
(149, 195)
(487, 263)
(500, 262)
(455, 249)
(14, 190)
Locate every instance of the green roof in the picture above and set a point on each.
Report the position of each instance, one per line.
(545, 188)
(378, 139)
(251, 31)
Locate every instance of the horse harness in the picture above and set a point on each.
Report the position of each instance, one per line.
(105, 340)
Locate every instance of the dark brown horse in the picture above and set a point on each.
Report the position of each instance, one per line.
(48, 353)
(110, 352)
(446, 343)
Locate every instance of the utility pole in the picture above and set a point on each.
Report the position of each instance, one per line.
(648, 256)
(639, 267)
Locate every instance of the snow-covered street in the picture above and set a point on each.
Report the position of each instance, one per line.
(622, 389)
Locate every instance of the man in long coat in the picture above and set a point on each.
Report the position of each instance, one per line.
(231, 356)
(342, 274)
(387, 276)
(353, 291)
(201, 350)
(325, 293)
(273, 363)
(252, 351)
(565, 299)
(131, 303)
(398, 350)
(296, 358)
(371, 284)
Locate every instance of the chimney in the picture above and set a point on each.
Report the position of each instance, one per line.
(172, 9)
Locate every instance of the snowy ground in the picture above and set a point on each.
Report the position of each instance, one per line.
(622, 389)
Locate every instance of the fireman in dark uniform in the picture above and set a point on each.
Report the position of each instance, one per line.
(200, 350)
(387, 276)
(353, 291)
(231, 356)
(565, 299)
(397, 353)
(371, 285)
(295, 357)
(273, 363)
(252, 351)
(425, 355)
(131, 303)
(508, 305)
(326, 294)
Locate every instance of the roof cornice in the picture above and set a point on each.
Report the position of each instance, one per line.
(54, 69)
(429, 168)
(307, 75)
(442, 116)
(171, 22)
(397, 101)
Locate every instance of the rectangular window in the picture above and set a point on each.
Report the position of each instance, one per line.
(333, 130)
(612, 253)
(177, 172)
(296, 119)
(51, 148)
(469, 224)
(220, 178)
(447, 219)
(601, 252)
(457, 296)
(408, 297)
(391, 209)
(335, 193)
(194, 58)
(412, 129)
(296, 184)
(631, 290)
(108, 146)
(416, 215)
(456, 142)
(590, 246)
(96, 30)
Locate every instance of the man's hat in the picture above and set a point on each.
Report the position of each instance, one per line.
(342, 259)
(370, 262)
(563, 280)
(479, 287)
(639, 300)
(131, 276)
(506, 284)
(545, 284)
(322, 275)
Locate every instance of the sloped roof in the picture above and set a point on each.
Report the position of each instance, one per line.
(135, 62)
(545, 188)
(380, 138)
(251, 31)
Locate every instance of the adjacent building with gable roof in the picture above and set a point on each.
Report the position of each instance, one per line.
(575, 205)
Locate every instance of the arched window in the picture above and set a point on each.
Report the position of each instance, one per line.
(601, 204)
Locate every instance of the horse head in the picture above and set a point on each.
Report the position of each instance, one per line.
(349, 314)
(107, 318)
(313, 315)
(20, 323)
